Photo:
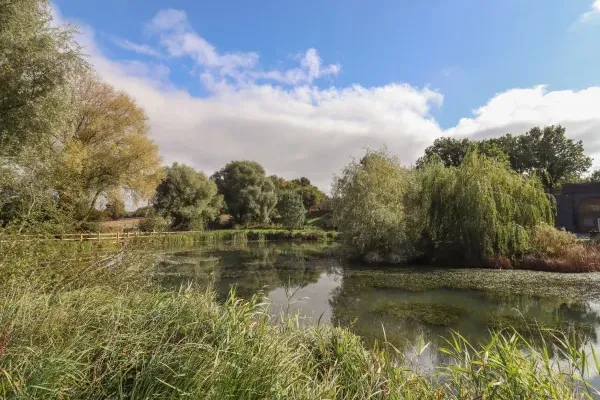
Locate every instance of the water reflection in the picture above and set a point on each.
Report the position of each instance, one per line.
(411, 304)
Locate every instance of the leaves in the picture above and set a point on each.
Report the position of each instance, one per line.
(247, 191)
(291, 210)
(545, 152)
(187, 198)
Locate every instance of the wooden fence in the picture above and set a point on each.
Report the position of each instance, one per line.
(108, 237)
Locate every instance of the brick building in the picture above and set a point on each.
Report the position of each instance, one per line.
(578, 207)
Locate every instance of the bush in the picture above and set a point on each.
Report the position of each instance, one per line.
(291, 210)
(154, 223)
(547, 241)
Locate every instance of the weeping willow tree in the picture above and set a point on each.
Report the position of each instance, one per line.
(479, 210)
(368, 201)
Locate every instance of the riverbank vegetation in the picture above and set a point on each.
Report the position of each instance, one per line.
(100, 328)
(478, 213)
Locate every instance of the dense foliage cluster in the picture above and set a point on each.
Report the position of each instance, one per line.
(292, 213)
(467, 214)
(479, 210)
(67, 140)
(545, 152)
(371, 210)
(187, 198)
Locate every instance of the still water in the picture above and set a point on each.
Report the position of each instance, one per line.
(413, 305)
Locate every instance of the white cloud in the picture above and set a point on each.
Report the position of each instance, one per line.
(179, 38)
(135, 47)
(517, 110)
(221, 70)
(295, 128)
(594, 12)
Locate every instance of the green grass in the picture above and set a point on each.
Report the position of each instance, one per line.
(97, 328)
(97, 343)
(239, 236)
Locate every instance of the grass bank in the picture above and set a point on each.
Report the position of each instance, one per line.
(74, 326)
(240, 236)
(138, 344)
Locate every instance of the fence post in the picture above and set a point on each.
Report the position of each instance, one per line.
(117, 237)
(81, 237)
(98, 236)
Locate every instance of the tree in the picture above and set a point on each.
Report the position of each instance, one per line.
(549, 154)
(106, 149)
(369, 203)
(479, 210)
(249, 194)
(545, 152)
(450, 151)
(595, 177)
(37, 60)
(291, 210)
(115, 208)
(311, 195)
(187, 198)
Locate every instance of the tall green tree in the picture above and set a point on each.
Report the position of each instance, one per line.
(595, 177)
(478, 210)
(310, 194)
(549, 154)
(291, 210)
(370, 200)
(187, 198)
(450, 151)
(249, 194)
(106, 149)
(545, 152)
(37, 60)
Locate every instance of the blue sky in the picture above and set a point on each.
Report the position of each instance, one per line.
(347, 73)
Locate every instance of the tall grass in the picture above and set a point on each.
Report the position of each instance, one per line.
(97, 328)
(97, 343)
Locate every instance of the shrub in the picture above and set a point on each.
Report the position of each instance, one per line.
(154, 223)
(546, 240)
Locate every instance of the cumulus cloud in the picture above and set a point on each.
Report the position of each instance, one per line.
(296, 128)
(594, 12)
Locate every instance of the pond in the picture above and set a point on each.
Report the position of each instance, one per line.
(412, 304)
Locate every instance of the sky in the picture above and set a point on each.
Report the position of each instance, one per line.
(302, 87)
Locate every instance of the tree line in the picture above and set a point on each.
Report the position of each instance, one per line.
(545, 152)
(71, 144)
(73, 148)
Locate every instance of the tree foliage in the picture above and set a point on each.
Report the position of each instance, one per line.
(249, 194)
(595, 177)
(107, 149)
(37, 60)
(369, 202)
(291, 210)
(115, 208)
(480, 209)
(464, 214)
(311, 195)
(187, 198)
(545, 152)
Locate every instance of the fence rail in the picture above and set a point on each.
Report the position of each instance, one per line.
(112, 236)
